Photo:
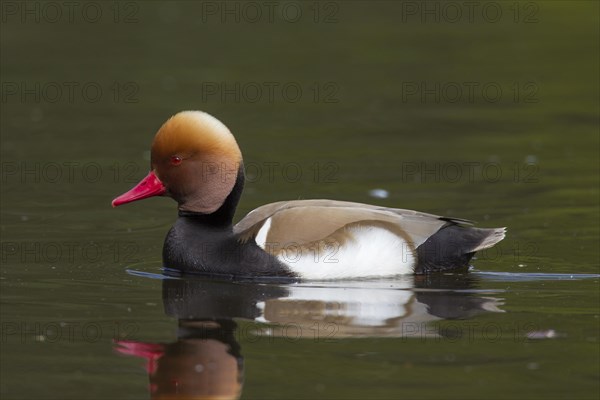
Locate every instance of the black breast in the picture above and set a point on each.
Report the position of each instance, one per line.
(195, 246)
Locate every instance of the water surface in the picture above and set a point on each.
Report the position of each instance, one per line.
(82, 314)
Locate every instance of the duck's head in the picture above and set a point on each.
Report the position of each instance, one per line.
(195, 160)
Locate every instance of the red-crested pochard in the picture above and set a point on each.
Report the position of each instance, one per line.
(196, 161)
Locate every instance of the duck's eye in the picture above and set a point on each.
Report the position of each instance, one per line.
(175, 160)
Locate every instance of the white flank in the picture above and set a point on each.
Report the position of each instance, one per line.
(261, 236)
(371, 252)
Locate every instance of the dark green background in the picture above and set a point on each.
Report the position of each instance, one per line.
(362, 132)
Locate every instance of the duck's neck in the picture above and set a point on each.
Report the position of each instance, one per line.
(223, 217)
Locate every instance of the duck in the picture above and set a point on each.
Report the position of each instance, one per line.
(195, 160)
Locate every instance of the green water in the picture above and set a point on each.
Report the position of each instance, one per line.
(492, 117)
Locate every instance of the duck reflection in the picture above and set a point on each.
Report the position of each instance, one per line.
(206, 361)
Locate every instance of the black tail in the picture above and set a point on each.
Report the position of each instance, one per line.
(453, 246)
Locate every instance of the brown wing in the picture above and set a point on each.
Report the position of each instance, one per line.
(306, 221)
